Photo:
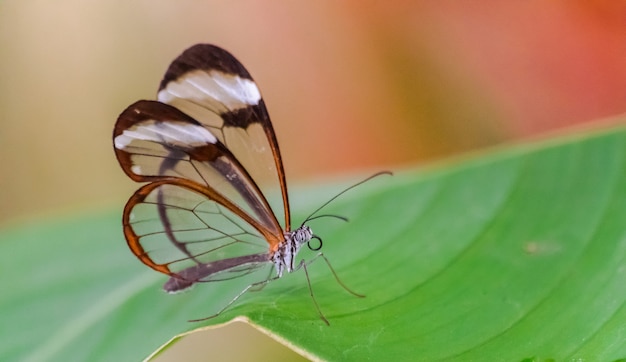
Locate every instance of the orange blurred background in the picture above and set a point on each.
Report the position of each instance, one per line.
(349, 85)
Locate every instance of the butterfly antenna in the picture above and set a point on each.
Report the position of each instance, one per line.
(311, 217)
(328, 215)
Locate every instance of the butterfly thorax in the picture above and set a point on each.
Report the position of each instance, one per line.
(284, 257)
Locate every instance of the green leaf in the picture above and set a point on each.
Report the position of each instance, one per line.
(516, 255)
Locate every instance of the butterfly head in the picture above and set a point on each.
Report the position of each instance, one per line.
(284, 257)
(301, 235)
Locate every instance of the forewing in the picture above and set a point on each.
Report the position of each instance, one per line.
(210, 85)
(184, 230)
(154, 141)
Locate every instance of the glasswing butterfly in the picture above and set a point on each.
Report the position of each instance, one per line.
(210, 156)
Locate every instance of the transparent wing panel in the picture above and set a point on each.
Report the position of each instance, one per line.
(172, 228)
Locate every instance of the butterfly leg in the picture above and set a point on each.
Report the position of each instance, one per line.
(303, 264)
(308, 282)
(252, 286)
(344, 286)
(262, 285)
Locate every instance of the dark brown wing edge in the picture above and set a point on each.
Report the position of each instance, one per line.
(188, 277)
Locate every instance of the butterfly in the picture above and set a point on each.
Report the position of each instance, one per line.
(210, 157)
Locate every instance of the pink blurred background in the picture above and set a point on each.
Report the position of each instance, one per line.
(350, 86)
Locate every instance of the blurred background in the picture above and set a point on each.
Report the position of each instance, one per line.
(350, 86)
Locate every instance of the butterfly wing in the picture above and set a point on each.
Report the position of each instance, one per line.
(202, 217)
(213, 87)
(154, 141)
(189, 232)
